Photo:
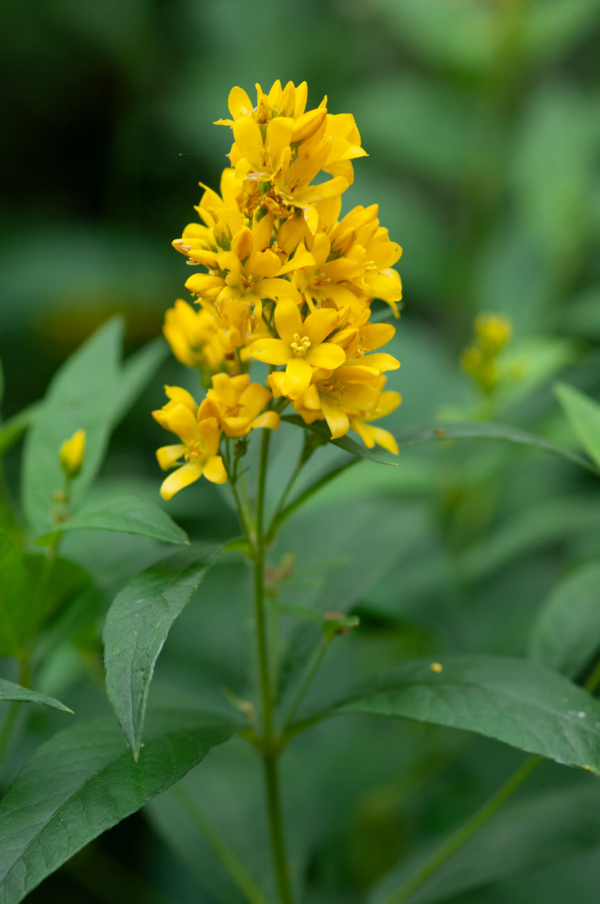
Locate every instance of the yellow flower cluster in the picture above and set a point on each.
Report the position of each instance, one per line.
(285, 282)
(493, 332)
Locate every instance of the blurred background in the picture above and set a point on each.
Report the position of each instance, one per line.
(481, 119)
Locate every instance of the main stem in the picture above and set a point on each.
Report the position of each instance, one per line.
(270, 749)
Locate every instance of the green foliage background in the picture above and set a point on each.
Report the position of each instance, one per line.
(481, 121)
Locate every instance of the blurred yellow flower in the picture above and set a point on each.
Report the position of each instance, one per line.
(238, 404)
(72, 453)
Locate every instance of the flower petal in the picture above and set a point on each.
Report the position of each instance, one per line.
(271, 351)
(298, 375)
(327, 355)
(214, 469)
(337, 420)
(249, 141)
(168, 456)
(180, 478)
(269, 420)
(210, 434)
(320, 324)
(288, 321)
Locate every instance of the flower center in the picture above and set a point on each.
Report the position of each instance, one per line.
(193, 451)
(321, 280)
(300, 345)
(246, 283)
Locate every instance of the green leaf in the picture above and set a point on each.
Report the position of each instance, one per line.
(584, 415)
(83, 781)
(18, 694)
(321, 430)
(137, 626)
(23, 609)
(417, 436)
(126, 515)
(520, 703)
(81, 395)
(544, 829)
(567, 631)
(431, 433)
(137, 372)
(12, 429)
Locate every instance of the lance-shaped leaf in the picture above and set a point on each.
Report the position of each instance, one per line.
(81, 396)
(137, 372)
(417, 436)
(18, 694)
(545, 829)
(431, 433)
(566, 633)
(584, 415)
(137, 626)
(83, 781)
(126, 515)
(521, 703)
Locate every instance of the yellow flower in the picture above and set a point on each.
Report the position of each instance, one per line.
(493, 332)
(388, 402)
(72, 453)
(364, 337)
(196, 454)
(249, 272)
(238, 404)
(350, 391)
(194, 337)
(301, 346)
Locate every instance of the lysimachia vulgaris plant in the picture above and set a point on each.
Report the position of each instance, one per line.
(291, 303)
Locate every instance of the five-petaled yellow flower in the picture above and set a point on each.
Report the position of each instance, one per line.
(196, 455)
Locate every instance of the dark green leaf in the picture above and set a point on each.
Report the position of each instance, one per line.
(83, 781)
(81, 395)
(18, 694)
(521, 703)
(548, 828)
(126, 515)
(12, 430)
(137, 626)
(584, 415)
(567, 631)
(321, 430)
(16, 595)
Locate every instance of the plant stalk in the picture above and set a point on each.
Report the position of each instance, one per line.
(269, 746)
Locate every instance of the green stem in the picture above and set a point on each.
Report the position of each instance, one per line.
(269, 744)
(226, 855)
(479, 819)
(462, 835)
(312, 668)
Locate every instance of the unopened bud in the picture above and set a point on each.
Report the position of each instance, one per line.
(72, 453)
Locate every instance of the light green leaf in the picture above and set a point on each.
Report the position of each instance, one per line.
(83, 781)
(584, 415)
(126, 515)
(18, 694)
(137, 372)
(137, 626)
(81, 396)
(548, 828)
(518, 702)
(12, 429)
(321, 430)
(567, 631)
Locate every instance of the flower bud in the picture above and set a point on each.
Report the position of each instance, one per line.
(72, 453)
